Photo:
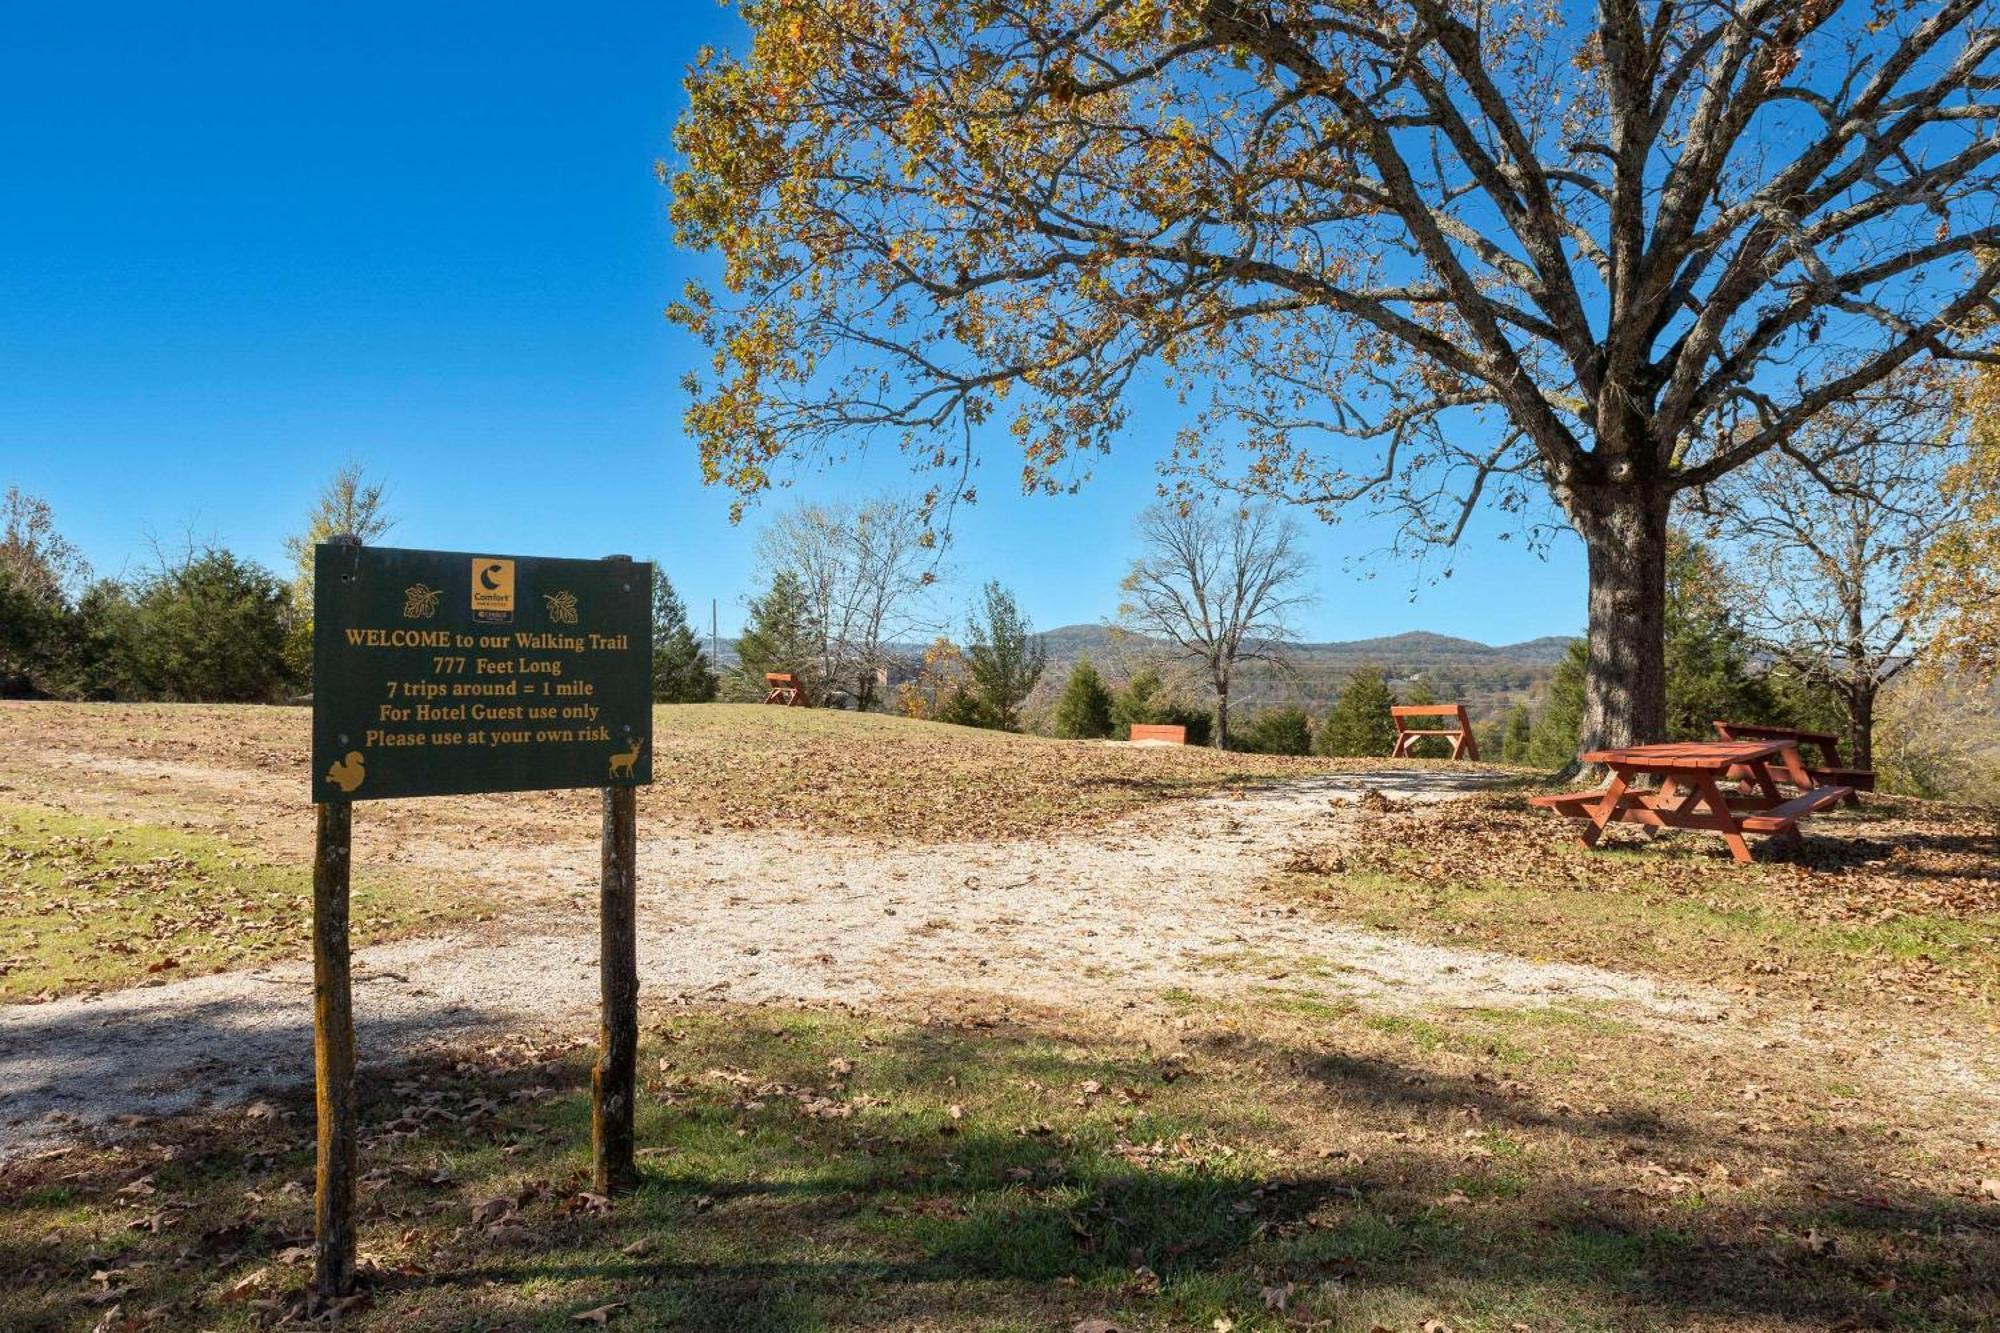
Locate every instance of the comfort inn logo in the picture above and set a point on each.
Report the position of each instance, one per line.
(492, 590)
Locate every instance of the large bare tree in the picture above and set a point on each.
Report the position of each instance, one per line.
(1217, 583)
(864, 569)
(1824, 561)
(1422, 253)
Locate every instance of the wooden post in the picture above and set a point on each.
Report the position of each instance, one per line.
(333, 1055)
(612, 1082)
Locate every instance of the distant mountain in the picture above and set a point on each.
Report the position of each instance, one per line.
(1424, 646)
(1550, 648)
(1487, 678)
(1400, 654)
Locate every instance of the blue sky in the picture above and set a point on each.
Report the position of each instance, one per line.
(244, 243)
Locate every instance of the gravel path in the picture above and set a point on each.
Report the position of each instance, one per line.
(1117, 919)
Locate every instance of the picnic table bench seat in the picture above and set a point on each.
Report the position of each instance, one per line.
(1783, 817)
(1567, 801)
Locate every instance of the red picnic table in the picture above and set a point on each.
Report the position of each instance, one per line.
(1687, 793)
(1829, 771)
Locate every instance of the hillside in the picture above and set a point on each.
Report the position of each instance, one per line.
(1487, 678)
(236, 772)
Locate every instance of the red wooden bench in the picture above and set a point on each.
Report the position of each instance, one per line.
(1463, 746)
(1828, 772)
(1159, 734)
(786, 690)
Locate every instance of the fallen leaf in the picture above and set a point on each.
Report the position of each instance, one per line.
(492, 1210)
(244, 1288)
(601, 1315)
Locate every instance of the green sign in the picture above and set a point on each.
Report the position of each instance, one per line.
(441, 672)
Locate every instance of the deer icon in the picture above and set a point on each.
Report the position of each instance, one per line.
(621, 764)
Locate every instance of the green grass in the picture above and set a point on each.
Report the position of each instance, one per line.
(87, 903)
(1733, 930)
(1898, 899)
(813, 1171)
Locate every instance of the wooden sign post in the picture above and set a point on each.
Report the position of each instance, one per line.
(333, 1054)
(613, 1081)
(442, 672)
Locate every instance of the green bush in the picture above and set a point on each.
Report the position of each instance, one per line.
(1083, 713)
(212, 631)
(1200, 723)
(1144, 702)
(1139, 704)
(1282, 730)
(1516, 735)
(1358, 724)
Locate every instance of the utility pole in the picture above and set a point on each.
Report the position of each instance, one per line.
(714, 641)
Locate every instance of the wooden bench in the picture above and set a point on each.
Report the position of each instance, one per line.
(786, 690)
(1158, 734)
(1828, 772)
(1784, 817)
(1463, 746)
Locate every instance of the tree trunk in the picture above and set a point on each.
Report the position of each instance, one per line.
(1861, 687)
(1221, 715)
(1861, 726)
(1625, 687)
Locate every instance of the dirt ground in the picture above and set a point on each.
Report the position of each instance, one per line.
(1107, 913)
(1140, 913)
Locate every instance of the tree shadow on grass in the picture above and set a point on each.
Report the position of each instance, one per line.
(969, 1227)
(127, 1053)
(1084, 1178)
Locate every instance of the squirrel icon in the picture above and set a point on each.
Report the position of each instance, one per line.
(348, 773)
(621, 764)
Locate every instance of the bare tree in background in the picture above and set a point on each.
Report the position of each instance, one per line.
(1822, 536)
(1218, 582)
(42, 562)
(864, 569)
(350, 502)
